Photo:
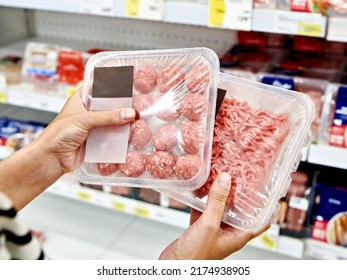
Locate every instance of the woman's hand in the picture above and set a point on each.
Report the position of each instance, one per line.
(69, 130)
(207, 237)
(31, 170)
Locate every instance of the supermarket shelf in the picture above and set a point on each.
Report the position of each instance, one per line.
(327, 156)
(287, 22)
(25, 95)
(337, 29)
(69, 187)
(264, 20)
(319, 250)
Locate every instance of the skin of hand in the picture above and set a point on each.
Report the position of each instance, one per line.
(29, 171)
(207, 238)
(69, 130)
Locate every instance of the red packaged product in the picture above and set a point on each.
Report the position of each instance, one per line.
(71, 67)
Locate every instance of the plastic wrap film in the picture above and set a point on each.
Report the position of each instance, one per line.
(258, 136)
(170, 145)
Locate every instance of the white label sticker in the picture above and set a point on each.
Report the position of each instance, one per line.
(298, 203)
(231, 14)
(149, 9)
(108, 144)
(97, 7)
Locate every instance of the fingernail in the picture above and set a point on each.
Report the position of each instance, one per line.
(137, 115)
(224, 180)
(127, 114)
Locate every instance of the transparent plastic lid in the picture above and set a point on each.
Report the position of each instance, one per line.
(259, 133)
(170, 145)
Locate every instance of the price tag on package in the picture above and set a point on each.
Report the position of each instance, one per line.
(149, 9)
(97, 7)
(230, 14)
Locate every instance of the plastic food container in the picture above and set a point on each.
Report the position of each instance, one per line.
(258, 136)
(170, 146)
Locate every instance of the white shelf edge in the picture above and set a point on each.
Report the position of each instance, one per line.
(263, 20)
(69, 187)
(288, 22)
(327, 155)
(337, 29)
(320, 250)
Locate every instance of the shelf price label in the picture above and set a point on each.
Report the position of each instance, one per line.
(230, 14)
(267, 240)
(3, 84)
(309, 29)
(3, 97)
(85, 196)
(97, 7)
(118, 205)
(141, 211)
(150, 9)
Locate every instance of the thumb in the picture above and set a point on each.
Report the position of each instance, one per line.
(217, 198)
(93, 119)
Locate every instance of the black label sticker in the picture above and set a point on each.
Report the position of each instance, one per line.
(111, 82)
(220, 97)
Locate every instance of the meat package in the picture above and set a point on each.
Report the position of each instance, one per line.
(259, 133)
(170, 145)
(334, 116)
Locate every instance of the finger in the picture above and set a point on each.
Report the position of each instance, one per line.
(93, 119)
(217, 197)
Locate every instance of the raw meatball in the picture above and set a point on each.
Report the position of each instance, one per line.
(169, 78)
(142, 102)
(187, 166)
(160, 164)
(107, 169)
(197, 78)
(134, 165)
(165, 137)
(145, 78)
(192, 137)
(193, 106)
(140, 134)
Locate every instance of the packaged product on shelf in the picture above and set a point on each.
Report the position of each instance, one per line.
(297, 202)
(330, 223)
(11, 67)
(245, 61)
(334, 125)
(337, 7)
(258, 136)
(15, 134)
(314, 88)
(306, 6)
(123, 191)
(170, 145)
(149, 195)
(40, 65)
(268, 4)
(70, 67)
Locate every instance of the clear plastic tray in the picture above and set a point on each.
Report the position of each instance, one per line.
(170, 146)
(259, 133)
